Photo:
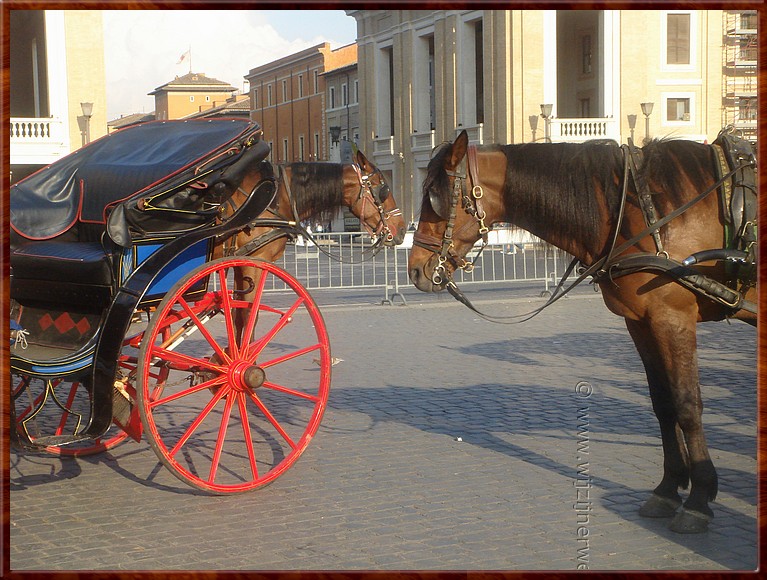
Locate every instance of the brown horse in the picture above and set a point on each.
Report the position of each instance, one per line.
(591, 200)
(309, 191)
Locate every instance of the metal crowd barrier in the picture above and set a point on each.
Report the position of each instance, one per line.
(345, 260)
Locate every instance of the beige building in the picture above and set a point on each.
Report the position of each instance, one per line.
(426, 75)
(189, 94)
(56, 63)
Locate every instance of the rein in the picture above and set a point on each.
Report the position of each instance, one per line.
(602, 267)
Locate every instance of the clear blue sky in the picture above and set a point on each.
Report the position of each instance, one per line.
(142, 47)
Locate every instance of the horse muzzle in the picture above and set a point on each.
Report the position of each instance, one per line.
(430, 276)
(395, 238)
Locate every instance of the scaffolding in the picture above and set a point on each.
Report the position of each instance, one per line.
(739, 82)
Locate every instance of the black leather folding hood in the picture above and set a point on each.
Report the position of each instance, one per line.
(79, 187)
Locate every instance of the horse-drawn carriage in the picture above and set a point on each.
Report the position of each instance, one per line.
(133, 314)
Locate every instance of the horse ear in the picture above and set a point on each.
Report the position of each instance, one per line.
(363, 162)
(458, 149)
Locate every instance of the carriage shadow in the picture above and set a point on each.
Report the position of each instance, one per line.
(31, 469)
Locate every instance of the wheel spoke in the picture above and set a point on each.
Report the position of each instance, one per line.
(259, 345)
(185, 361)
(204, 331)
(226, 304)
(198, 421)
(289, 391)
(221, 436)
(272, 419)
(212, 383)
(289, 356)
(253, 314)
(248, 438)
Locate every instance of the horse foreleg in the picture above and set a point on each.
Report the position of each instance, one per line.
(668, 350)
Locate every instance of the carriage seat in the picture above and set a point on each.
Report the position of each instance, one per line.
(61, 272)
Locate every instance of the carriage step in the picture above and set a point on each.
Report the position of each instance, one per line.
(58, 440)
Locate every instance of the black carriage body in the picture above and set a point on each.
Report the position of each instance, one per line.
(109, 228)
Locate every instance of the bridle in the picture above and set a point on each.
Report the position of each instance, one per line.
(471, 202)
(375, 194)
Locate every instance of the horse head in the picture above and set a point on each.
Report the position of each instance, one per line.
(451, 221)
(373, 203)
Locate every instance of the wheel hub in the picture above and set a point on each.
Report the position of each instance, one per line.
(245, 376)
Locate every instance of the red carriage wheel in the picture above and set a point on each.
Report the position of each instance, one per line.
(56, 407)
(247, 375)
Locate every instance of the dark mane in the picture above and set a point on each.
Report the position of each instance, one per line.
(562, 190)
(558, 187)
(669, 162)
(436, 182)
(317, 189)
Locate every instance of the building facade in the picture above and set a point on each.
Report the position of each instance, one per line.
(56, 63)
(189, 94)
(426, 75)
(288, 99)
(342, 90)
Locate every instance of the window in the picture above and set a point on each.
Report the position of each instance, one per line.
(479, 64)
(207, 98)
(285, 150)
(748, 20)
(356, 95)
(678, 110)
(191, 98)
(284, 91)
(300, 85)
(316, 82)
(747, 49)
(586, 54)
(432, 94)
(344, 95)
(255, 97)
(747, 109)
(332, 97)
(316, 145)
(300, 147)
(678, 39)
(269, 95)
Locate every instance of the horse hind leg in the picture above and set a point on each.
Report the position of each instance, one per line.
(668, 353)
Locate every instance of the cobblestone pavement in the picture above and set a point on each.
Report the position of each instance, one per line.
(449, 443)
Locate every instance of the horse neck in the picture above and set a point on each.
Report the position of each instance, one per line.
(310, 202)
(552, 204)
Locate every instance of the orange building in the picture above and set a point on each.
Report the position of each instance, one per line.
(288, 100)
(189, 94)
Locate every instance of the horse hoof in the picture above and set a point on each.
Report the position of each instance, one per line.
(690, 522)
(659, 507)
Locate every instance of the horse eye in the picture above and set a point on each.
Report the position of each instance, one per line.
(383, 193)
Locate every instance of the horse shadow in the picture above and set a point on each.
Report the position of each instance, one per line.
(480, 412)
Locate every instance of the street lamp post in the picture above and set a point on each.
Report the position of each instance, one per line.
(87, 109)
(546, 114)
(632, 123)
(646, 111)
(533, 124)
